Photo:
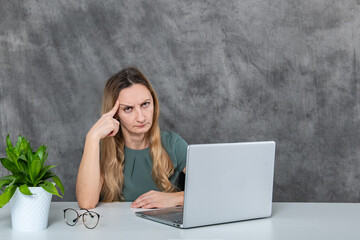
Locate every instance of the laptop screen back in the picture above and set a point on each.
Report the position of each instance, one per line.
(228, 182)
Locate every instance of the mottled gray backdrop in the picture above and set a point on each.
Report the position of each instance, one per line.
(225, 71)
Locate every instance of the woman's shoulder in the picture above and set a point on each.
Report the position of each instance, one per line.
(176, 147)
(169, 138)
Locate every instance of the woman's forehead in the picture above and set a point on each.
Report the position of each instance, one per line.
(135, 94)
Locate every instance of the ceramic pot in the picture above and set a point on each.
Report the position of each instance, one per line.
(30, 212)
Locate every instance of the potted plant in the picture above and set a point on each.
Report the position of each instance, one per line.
(27, 187)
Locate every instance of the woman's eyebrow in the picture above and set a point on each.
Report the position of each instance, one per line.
(126, 105)
(129, 105)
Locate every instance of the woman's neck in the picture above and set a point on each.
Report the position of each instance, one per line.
(136, 142)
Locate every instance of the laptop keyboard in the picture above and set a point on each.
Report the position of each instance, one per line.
(172, 217)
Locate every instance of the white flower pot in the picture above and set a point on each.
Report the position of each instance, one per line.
(30, 212)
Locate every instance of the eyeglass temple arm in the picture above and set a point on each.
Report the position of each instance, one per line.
(87, 211)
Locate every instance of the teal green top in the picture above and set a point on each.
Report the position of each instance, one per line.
(138, 166)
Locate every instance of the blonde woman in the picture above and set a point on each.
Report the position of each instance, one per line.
(126, 156)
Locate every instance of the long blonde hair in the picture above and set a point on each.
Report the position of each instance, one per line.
(112, 156)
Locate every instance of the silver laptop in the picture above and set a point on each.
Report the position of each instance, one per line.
(224, 182)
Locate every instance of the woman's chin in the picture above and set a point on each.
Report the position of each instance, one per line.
(142, 130)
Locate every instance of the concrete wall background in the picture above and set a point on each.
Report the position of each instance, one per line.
(224, 71)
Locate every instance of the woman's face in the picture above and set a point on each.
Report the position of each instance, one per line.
(136, 110)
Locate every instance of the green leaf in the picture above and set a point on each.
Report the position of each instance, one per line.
(20, 179)
(49, 187)
(41, 152)
(58, 183)
(35, 168)
(29, 156)
(25, 190)
(47, 175)
(24, 145)
(44, 159)
(13, 182)
(23, 157)
(16, 151)
(9, 165)
(8, 177)
(40, 182)
(7, 195)
(8, 143)
(28, 180)
(18, 142)
(4, 181)
(11, 155)
(43, 171)
(29, 147)
(23, 166)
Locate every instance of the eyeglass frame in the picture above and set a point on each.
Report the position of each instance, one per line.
(79, 215)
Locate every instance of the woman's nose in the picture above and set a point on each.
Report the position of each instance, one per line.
(140, 117)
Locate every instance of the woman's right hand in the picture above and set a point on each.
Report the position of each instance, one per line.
(89, 180)
(106, 126)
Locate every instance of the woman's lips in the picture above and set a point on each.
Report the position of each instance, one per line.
(141, 126)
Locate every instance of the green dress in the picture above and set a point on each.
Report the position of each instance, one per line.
(138, 166)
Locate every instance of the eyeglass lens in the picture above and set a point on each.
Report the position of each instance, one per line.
(90, 219)
(71, 217)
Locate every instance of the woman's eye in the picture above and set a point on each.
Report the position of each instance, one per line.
(127, 109)
(146, 104)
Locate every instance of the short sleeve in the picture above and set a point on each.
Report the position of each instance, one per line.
(176, 147)
(181, 152)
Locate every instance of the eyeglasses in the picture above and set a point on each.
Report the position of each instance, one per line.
(90, 218)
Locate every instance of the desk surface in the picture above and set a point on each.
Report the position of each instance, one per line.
(289, 221)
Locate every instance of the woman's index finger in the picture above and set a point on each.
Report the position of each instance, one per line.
(113, 111)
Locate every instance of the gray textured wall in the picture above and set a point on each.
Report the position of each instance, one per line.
(225, 71)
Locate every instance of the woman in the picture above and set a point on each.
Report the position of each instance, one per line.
(137, 162)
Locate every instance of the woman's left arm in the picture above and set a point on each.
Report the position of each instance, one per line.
(156, 199)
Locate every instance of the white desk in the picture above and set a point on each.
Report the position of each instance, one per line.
(303, 221)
